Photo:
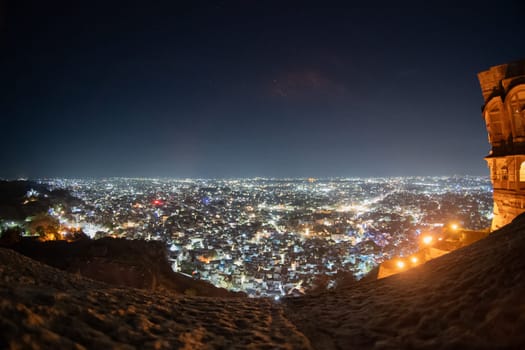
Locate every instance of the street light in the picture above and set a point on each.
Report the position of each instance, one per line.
(427, 240)
(400, 264)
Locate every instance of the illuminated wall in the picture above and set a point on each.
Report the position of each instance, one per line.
(503, 89)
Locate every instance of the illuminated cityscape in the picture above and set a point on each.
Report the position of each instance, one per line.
(226, 174)
(273, 237)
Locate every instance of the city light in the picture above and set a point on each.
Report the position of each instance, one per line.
(427, 240)
(264, 236)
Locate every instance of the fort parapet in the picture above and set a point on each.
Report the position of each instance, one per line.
(503, 89)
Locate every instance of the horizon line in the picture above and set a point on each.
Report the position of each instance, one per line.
(286, 178)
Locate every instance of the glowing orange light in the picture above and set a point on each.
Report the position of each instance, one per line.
(203, 259)
(414, 259)
(400, 264)
(427, 240)
(454, 227)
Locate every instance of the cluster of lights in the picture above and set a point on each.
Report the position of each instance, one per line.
(196, 217)
(426, 240)
(402, 264)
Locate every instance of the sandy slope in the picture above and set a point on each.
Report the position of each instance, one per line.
(42, 307)
(473, 298)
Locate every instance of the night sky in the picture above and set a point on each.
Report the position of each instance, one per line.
(247, 88)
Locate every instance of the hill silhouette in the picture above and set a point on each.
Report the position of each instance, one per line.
(472, 298)
(13, 194)
(122, 262)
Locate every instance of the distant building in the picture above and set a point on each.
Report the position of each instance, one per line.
(503, 89)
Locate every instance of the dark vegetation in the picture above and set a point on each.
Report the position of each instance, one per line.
(14, 204)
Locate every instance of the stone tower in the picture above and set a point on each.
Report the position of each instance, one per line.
(503, 89)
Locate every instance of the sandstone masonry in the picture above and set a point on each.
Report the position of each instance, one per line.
(503, 89)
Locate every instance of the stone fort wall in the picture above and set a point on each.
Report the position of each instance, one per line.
(503, 89)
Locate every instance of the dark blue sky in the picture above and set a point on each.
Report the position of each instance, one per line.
(247, 88)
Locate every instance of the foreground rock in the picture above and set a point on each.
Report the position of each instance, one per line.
(473, 298)
(45, 308)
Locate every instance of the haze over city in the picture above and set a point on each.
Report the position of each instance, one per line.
(216, 89)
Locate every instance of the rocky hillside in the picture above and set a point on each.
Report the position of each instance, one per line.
(122, 262)
(473, 298)
(45, 308)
